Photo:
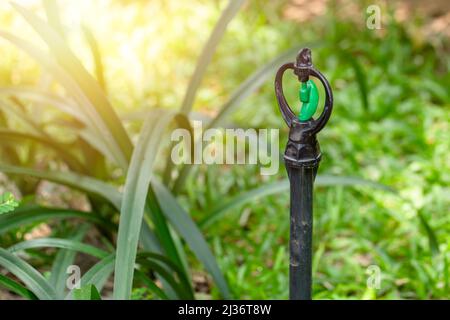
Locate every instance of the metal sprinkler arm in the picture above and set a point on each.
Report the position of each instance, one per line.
(302, 156)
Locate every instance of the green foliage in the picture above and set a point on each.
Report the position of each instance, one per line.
(16, 287)
(103, 135)
(33, 280)
(133, 203)
(87, 292)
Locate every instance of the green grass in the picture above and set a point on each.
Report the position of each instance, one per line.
(400, 138)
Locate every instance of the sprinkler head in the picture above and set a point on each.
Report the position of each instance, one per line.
(302, 149)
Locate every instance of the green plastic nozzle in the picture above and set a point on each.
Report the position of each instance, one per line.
(309, 96)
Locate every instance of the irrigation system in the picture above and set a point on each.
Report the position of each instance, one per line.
(302, 156)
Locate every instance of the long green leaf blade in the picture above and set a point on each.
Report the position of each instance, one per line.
(59, 243)
(76, 181)
(151, 285)
(98, 274)
(34, 281)
(86, 82)
(97, 57)
(283, 186)
(52, 12)
(85, 105)
(433, 242)
(16, 287)
(181, 291)
(64, 258)
(87, 292)
(133, 204)
(361, 79)
(207, 53)
(164, 260)
(253, 83)
(83, 183)
(8, 136)
(29, 93)
(202, 63)
(26, 215)
(187, 228)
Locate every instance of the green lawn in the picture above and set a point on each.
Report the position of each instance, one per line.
(390, 124)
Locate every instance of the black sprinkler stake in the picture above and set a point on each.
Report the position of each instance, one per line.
(302, 157)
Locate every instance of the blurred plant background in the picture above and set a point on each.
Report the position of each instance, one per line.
(209, 232)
